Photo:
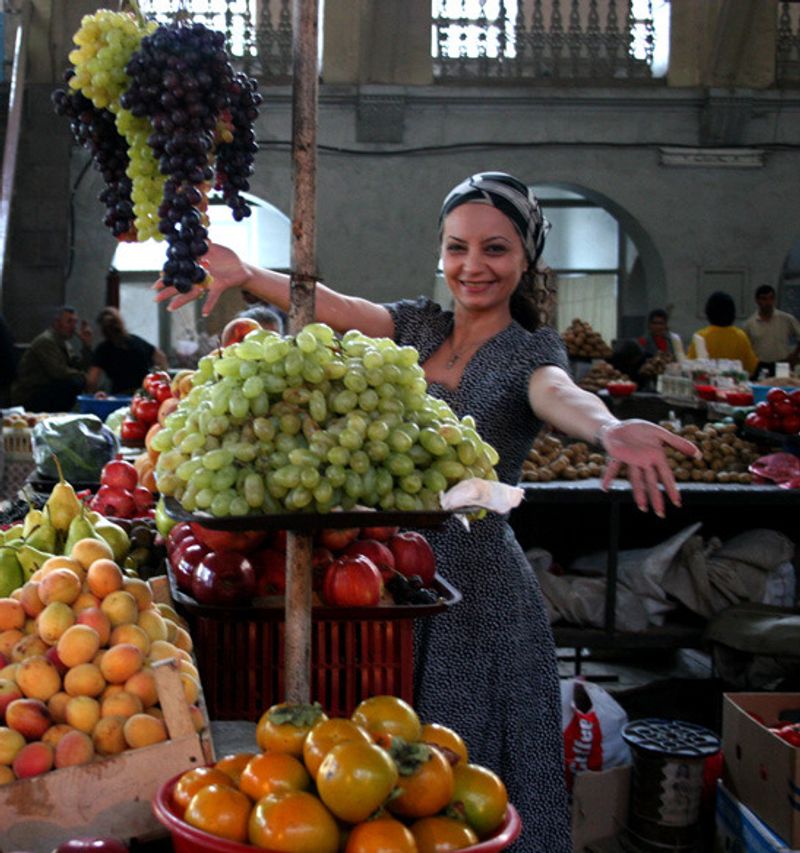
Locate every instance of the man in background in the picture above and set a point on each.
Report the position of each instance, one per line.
(52, 371)
(774, 334)
(659, 339)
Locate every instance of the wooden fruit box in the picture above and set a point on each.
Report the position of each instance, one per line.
(110, 797)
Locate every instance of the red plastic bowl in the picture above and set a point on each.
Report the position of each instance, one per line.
(738, 398)
(187, 839)
(706, 392)
(621, 389)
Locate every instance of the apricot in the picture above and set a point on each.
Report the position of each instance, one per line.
(104, 576)
(62, 561)
(54, 734)
(83, 713)
(130, 633)
(11, 742)
(120, 607)
(29, 599)
(12, 614)
(57, 705)
(143, 685)
(163, 650)
(33, 760)
(85, 600)
(191, 688)
(95, 618)
(153, 624)
(198, 718)
(86, 551)
(78, 644)
(29, 717)
(8, 639)
(74, 748)
(59, 585)
(183, 639)
(155, 711)
(9, 691)
(189, 669)
(120, 662)
(85, 679)
(38, 678)
(143, 730)
(6, 775)
(9, 671)
(108, 735)
(31, 645)
(140, 590)
(121, 704)
(54, 620)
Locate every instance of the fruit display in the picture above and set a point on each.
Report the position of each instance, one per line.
(351, 567)
(161, 146)
(378, 780)
(780, 412)
(77, 644)
(655, 365)
(582, 341)
(550, 458)
(310, 423)
(148, 404)
(599, 375)
(120, 494)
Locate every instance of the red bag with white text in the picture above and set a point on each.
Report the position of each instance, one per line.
(592, 722)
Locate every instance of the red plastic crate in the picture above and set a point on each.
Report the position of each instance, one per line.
(241, 663)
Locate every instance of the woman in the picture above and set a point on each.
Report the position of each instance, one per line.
(721, 339)
(123, 357)
(488, 667)
(659, 338)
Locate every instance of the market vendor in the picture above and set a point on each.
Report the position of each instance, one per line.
(487, 667)
(659, 339)
(774, 334)
(720, 338)
(52, 372)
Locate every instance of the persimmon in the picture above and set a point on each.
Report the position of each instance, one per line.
(234, 764)
(195, 779)
(325, 735)
(293, 822)
(449, 741)
(220, 810)
(480, 795)
(283, 727)
(382, 833)
(272, 773)
(426, 782)
(388, 716)
(440, 834)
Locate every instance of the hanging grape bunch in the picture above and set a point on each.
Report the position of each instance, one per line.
(311, 423)
(165, 117)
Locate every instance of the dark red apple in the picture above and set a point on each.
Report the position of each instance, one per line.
(279, 540)
(337, 540)
(223, 578)
(413, 555)
(237, 329)
(177, 552)
(381, 534)
(269, 566)
(321, 558)
(187, 562)
(352, 582)
(91, 845)
(377, 552)
(119, 474)
(228, 540)
(177, 533)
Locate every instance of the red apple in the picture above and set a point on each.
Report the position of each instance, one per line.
(224, 578)
(119, 474)
(381, 534)
(177, 552)
(177, 533)
(187, 562)
(228, 540)
(91, 845)
(413, 555)
(352, 582)
(269, 566)
(237, 329)
(377, 552)
(337, 539)
(321, 558)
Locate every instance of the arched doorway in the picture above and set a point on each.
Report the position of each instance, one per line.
(789, 284)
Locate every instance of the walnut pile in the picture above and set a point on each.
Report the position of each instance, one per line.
(582, 341)
(599, 375)
(552, 459)
(656, 365)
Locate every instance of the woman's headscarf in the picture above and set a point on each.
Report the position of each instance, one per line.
(512, 198)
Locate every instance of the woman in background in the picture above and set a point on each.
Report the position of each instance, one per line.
(720, 338)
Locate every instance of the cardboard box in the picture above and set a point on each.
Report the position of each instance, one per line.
(761, 769)
(599, 805)
(738, 830)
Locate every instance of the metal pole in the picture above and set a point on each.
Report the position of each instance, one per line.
(301, 311)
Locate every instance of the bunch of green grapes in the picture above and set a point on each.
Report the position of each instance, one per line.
(310, 423)
(105, 43)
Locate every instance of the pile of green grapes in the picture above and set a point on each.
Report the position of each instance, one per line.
(309, 423)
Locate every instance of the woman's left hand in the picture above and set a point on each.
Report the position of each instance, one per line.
(640, 445)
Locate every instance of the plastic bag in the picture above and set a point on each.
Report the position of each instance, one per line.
(82, 443)
(592, 722)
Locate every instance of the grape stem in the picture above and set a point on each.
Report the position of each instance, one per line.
(133, 6)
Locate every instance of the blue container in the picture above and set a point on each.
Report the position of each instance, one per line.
(101, 406)
(760, 391)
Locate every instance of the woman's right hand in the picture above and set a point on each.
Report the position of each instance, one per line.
(226, 269)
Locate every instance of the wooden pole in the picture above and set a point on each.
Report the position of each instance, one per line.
(301, 312)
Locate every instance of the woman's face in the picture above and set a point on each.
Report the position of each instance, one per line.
(482, 257)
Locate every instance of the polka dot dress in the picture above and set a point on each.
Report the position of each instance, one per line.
(487, 666)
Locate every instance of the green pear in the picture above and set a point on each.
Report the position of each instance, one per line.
(13, 533)
(32, 520)
(11, 575)
(43, 536)
(79, 528)
(31, 559)
(63, 503)
(117, 539)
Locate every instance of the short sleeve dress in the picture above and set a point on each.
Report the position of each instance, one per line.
(487, 667)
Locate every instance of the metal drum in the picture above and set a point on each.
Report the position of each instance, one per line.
(666, 784)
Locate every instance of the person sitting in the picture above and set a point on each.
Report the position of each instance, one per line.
(721, 339)
(52, 372)
(659, 339)
(123, 357)
(774, 334)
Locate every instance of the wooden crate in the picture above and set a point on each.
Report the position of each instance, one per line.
(110, 797)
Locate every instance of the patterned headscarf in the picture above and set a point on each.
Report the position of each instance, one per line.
(512, 198)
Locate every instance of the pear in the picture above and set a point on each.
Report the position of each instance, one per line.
(32, 520)
(11, 574)
(43, 536)
(13, 533)
(31, 559)
(63, 503)
(79, 528)
(117, 539)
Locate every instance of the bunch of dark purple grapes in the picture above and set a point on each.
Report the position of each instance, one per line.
(96, 131)
(182, 81)
(235, 158)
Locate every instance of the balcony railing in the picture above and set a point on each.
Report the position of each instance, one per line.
(787, 52)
